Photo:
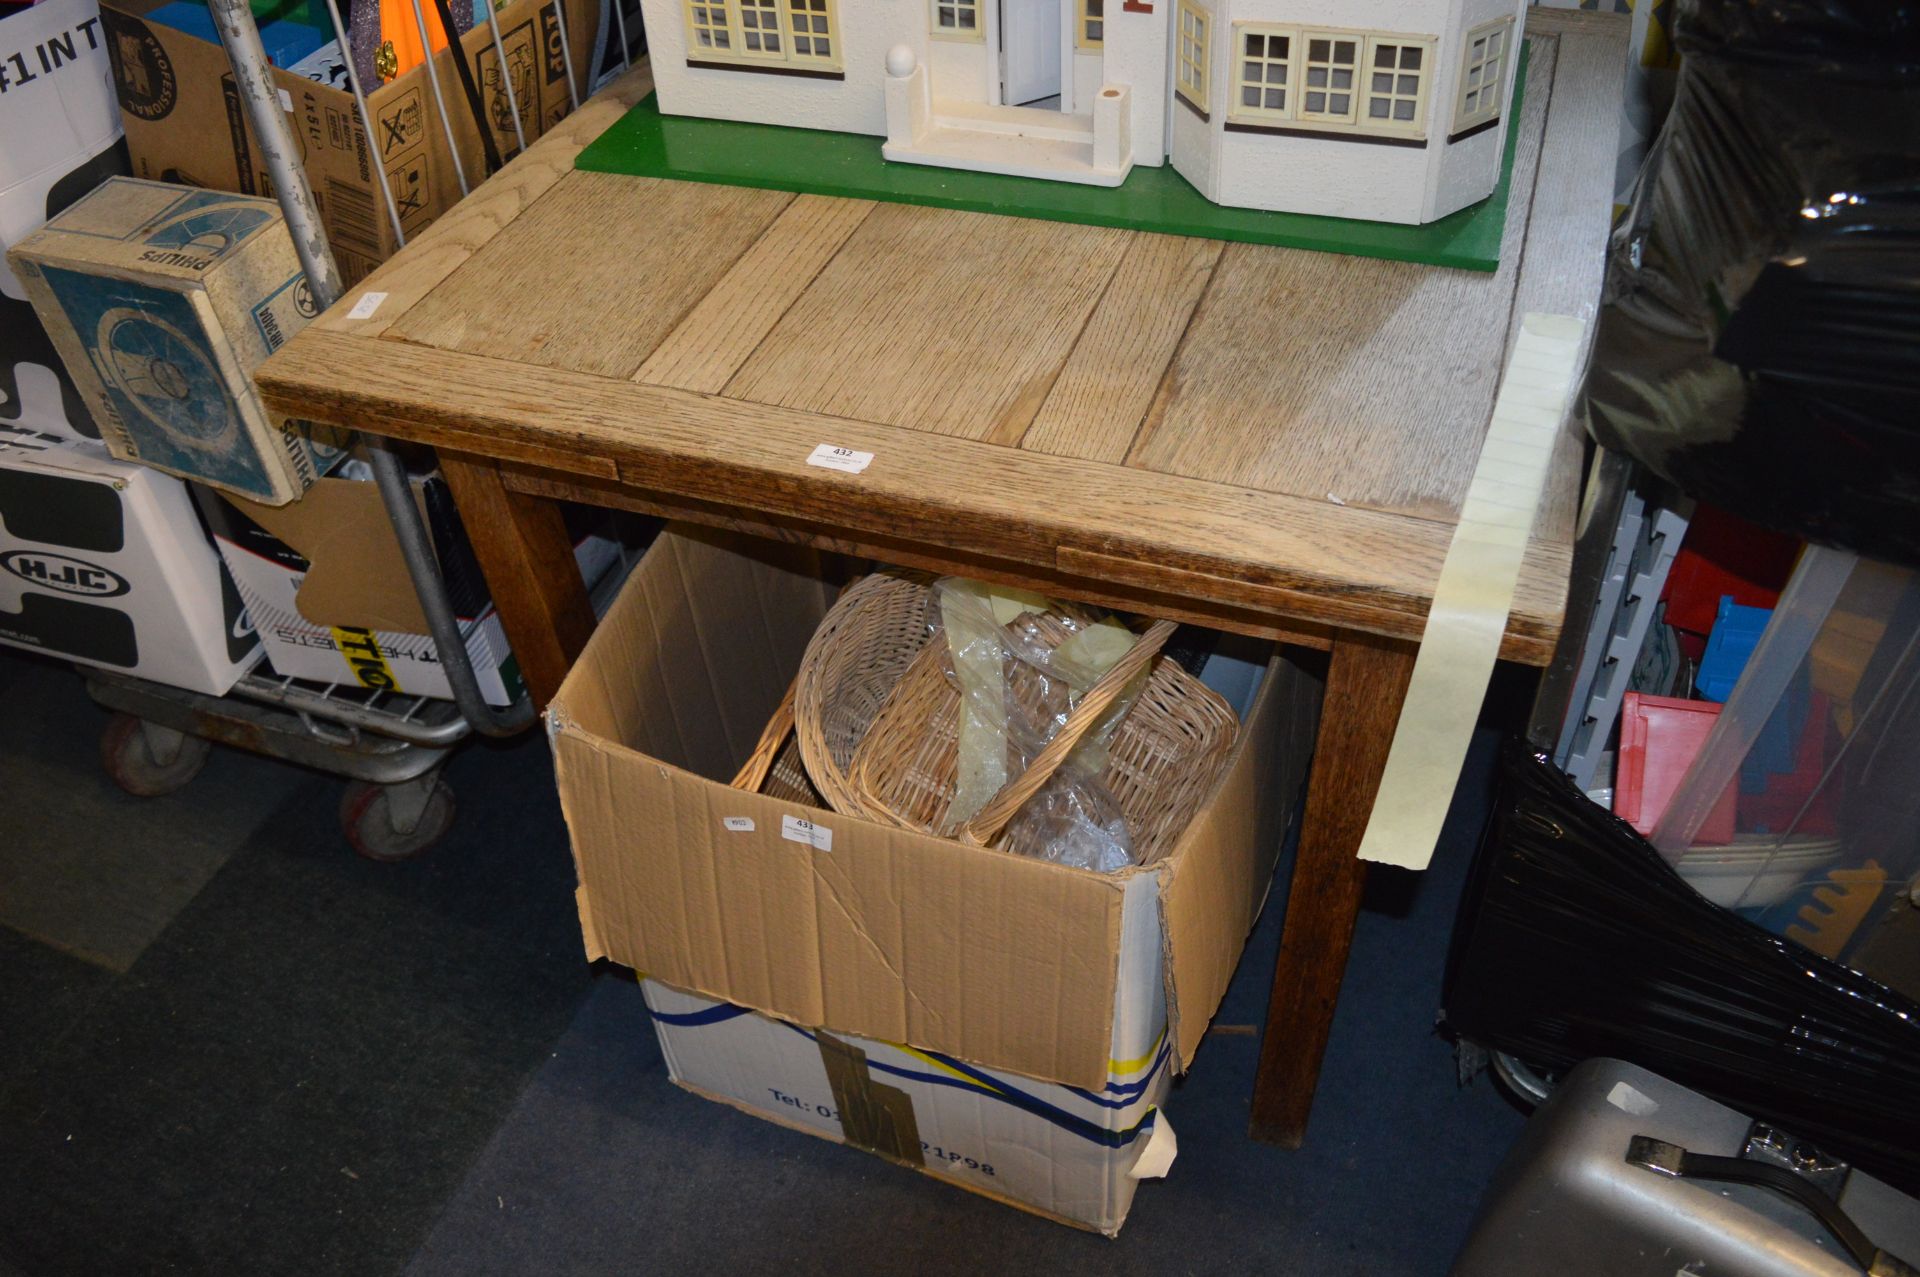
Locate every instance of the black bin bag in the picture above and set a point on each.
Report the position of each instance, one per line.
(1759, 336)
(1576, 939)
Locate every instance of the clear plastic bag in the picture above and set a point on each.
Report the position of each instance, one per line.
(1021, 666)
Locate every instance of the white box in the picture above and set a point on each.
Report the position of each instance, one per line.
(1071, 1155)
(61, 123)
(104, 562)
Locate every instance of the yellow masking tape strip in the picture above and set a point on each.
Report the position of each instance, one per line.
(1474, 594)
(1118, 1068)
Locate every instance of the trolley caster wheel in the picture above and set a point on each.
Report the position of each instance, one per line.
(148, 760)
(371, 816)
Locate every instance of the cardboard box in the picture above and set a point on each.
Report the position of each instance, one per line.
(1068, 1154)
(162, 301)
(1064, 977)
(62, 131)
(184, 120)
(329, 593)
(104, 562)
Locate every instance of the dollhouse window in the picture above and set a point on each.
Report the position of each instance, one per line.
(1338, 83)
(958, 19)
(1396, 83)
(708, 33)
(1190, 77)
(1263, 80)
(1483, 64)
(1092, 30)
(1331, 65)
(760, 28)
(811, 25)
(745, 34)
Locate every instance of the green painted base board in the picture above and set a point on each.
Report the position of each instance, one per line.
(646, 143)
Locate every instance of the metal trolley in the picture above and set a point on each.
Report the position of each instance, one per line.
(390, 747)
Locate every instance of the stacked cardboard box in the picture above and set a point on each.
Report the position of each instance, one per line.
(162, 300)
(1006, 1024)
(184, 120)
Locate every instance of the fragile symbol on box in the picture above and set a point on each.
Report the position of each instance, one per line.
(408, 182)
(402, 124)
(818, 837)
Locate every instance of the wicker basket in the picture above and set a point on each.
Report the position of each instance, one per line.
(1164, 758)
(861, 650)
(774, 768)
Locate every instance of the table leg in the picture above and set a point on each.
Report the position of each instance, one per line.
(1366, 683)
(527, 558)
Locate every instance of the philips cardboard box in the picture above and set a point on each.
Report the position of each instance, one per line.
(162, 301)
(184, 120)
(1005, 1023)
(62, 131)
(329, 593)
(104, 562)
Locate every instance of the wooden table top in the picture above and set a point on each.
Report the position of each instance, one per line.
(1244, 431)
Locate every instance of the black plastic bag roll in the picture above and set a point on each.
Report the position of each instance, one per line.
(1575, 939)
(1759, 337)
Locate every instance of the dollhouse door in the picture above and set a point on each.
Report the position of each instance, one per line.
(1029, 50)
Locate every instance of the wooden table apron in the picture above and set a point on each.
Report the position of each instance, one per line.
(1266, 440)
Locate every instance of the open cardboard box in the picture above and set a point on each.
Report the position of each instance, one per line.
(328, 590)
(184, 121)
(952, 1007)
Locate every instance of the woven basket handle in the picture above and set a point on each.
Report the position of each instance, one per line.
(993, 817)
(753, 773)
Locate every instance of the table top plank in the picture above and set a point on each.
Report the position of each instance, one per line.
(558, 286)
(1348, 379)
(1102, 395)
(1305, 559)
(948, 322)
(458, 234)
(707, 347)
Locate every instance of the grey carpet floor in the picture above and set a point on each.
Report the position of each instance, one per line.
(312, 1064)
(83, 867)
(297, 1071)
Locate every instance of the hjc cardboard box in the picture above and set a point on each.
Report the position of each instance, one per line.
(104, 562)
(62, 131)
(842, 976)
(185, 123)
(162, 300)
(330, 596)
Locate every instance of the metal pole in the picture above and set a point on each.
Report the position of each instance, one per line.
(439, 102)
(566, 48)
(506, 71)
(416, 547)
(366, 119)
(620, 21)
(262, 103)
(260, 97)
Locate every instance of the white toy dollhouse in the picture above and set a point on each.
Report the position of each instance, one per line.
(1388, 110)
